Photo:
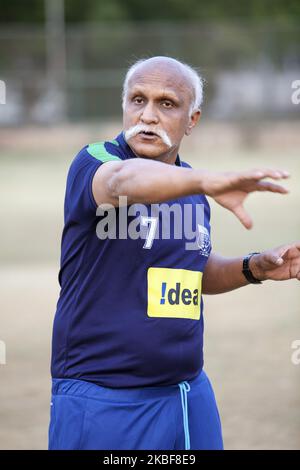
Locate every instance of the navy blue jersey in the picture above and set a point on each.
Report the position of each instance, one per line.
(130, 309)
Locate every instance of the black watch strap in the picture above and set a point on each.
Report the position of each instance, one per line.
(247, 271)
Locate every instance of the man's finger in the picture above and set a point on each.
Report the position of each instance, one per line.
(243, 217)
(258, 174)
(275, 259)
(296, 244)
(276, 256)
(271, 187)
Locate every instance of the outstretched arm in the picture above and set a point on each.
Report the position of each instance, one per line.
(147, 181)
(225, 274)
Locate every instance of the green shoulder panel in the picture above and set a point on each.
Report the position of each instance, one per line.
(98, 151)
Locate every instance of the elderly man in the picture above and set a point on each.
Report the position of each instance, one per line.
(127, 360)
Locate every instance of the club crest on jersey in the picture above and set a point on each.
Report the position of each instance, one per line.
(203, 240)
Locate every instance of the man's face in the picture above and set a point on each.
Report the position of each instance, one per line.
(159, 100)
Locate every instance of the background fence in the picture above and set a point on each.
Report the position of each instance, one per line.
(76, 73)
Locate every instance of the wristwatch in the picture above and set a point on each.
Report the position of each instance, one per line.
(247, 271)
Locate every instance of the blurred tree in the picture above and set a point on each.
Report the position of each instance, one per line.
(29, 11)
(155, 10)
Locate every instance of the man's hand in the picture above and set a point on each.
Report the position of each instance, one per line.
(230, 189)
(278, 264)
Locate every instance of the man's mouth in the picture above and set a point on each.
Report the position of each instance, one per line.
(148, 133)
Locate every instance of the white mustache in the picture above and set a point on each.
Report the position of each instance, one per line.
(134, 130)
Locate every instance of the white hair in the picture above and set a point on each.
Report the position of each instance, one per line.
(196, 82)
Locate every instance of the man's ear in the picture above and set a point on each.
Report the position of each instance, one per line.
(193, 121)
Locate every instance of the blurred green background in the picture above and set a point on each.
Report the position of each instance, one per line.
(63, 64)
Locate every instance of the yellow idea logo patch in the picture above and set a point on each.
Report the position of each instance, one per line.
(174, 293)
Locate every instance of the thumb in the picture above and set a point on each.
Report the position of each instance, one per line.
(279, 253)
(243, 216)
(275, 259)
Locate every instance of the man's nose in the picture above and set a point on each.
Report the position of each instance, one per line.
(149, 115)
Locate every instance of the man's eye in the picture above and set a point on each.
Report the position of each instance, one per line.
(167, 104)
(138, 100)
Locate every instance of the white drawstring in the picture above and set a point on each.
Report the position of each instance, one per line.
(184, 388)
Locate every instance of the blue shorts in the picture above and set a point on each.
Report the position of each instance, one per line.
(177, 417)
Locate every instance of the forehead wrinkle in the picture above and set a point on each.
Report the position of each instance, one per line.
(166, 82)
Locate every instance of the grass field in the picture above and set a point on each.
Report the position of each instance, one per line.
(248, 333)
